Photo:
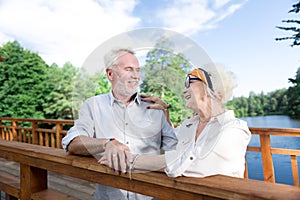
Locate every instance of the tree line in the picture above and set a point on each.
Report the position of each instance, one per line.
(29, 88)
(279, 102)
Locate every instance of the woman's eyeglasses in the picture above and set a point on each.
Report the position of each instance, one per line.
(188, 81)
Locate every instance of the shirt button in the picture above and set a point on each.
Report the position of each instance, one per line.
(191, 158)
(127, 142)
(126, 123)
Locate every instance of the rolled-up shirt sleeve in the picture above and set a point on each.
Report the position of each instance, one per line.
(177, 164)
(83, 126)
(169, 139)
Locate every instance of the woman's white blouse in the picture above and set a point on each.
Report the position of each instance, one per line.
(220, 148)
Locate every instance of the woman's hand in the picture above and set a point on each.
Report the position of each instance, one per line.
(157, 102)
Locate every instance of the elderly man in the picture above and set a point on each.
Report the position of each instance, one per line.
(119, 121)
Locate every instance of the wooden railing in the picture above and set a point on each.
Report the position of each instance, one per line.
(35, 162)
(44, 132)
(267, 151)
(33, 131)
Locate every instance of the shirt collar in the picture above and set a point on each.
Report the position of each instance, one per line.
(112, 99)
(227, 115)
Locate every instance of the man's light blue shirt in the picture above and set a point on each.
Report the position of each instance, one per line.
(144, 131)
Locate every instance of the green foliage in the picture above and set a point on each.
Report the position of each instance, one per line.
(22, 74)
(103, 84)
(59, 87)
(164, 74)
(276, 102)
(87, 85)
(295, 29)
(293, 97)
(29, 88)
(260, 104)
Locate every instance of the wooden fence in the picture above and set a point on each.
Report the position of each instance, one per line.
(50, 132)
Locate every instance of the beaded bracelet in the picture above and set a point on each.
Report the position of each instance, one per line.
(107, 141)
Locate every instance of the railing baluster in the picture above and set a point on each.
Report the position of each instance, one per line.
(295, 170)
(46, 139)
(14, 131)
(52, 140)
(34, 136)
(246, 169)
(58, 128)
(41, 138)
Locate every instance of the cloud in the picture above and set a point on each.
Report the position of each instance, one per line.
(191, 16)
(69, 30)
(64, 30)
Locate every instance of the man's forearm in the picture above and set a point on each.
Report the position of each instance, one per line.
(83, 145)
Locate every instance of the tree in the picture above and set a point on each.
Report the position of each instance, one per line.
(87, 85)
(59, 87)
(164, 74)
(293, 96)
(103, 83)
(22, 74)
(294, 29)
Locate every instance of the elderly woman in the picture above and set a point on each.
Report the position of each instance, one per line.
(211, 142)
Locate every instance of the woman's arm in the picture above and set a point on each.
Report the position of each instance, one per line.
(151, 163)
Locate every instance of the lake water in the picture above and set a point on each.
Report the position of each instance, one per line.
(282, 164)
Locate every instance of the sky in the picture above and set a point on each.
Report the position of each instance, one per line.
(239, 34)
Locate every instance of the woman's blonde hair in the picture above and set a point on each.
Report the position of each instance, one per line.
(223, 81)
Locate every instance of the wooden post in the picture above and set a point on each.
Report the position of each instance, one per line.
(267, 160)
(32, 180)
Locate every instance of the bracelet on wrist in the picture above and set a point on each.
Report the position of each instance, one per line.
(107, 141)
(132, 163)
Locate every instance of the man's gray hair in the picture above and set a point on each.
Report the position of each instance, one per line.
(111, 58)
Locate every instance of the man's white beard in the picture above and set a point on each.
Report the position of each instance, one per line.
(125, 90)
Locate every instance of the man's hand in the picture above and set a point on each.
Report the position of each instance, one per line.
(115, 156)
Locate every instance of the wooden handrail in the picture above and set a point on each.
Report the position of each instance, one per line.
(35, 161)
(11, 129)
